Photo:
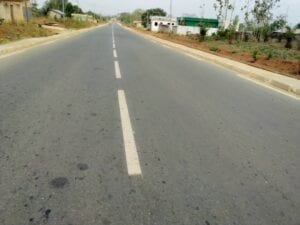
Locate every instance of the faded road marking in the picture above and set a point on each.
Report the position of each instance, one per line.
(132, 158)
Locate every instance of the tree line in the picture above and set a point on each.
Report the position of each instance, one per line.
(257, 21)
(57, 4)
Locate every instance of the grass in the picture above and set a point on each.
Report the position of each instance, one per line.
(75, 24)
(270, 50)
(254, 55)
(213, 48)
(12, 32)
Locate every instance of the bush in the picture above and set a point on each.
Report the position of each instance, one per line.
(213, 48)
(254, 55)
(76, 24)
(290, 35)
(270, 55)
(222, 34)
(203, 31)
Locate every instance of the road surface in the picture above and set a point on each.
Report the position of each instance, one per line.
(108, 128)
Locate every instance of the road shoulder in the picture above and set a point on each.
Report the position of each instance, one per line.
(25, 44)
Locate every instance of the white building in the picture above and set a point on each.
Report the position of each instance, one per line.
(188, 30)
(55, 14)
(162, 23)
(83, 17)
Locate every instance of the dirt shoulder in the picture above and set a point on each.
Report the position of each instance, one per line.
(39, 27)
(271, 56)
(14, 32)
(27, 43)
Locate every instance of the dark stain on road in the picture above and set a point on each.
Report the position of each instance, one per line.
(94, 114)
(79, 178)
(47, 213)
(59, 182)
(105, 221)
(82, 166)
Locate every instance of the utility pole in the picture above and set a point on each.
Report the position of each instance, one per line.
(148, 22)
(202, 10)
(246, 19)
(26, 12)
(63, 9)
(171, 25)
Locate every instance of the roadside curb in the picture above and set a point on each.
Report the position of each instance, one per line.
(282, 83)
(18, 46)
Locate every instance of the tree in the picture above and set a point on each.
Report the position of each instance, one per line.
(53, 4)
(279, 23)
(290, 35)
(125, 17)
(137, 14)
(35, 10)
(95, 15)
(70, 9)
(128, 18)
(222, 7)
(298, 41)
(266, 32)
(262, 13)
(203, 31)
(151, 12)
(77, 9)
(232, 29)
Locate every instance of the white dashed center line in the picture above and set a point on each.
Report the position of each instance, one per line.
(117, 70)
(132, 158)
(115, 53)
(131, 154)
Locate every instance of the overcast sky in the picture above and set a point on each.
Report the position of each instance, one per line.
(180, 7)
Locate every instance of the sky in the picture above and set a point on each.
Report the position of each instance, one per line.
(180, 7)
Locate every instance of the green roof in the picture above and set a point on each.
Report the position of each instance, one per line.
(194, 21)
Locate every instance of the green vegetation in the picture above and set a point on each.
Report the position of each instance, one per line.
(75, 24)
(213, 48)
(271, 50)
(290, 35)
(69, 9)
(259, 22)
(141, 15)
(270, 55)
(12, 32)
(203, 31)
(125, 17)
(151, 12)
(128, 18)
(254, 55)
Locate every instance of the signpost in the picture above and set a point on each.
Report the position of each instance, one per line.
(171, 25)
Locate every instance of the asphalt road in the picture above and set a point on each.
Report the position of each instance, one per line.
(142, 135)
